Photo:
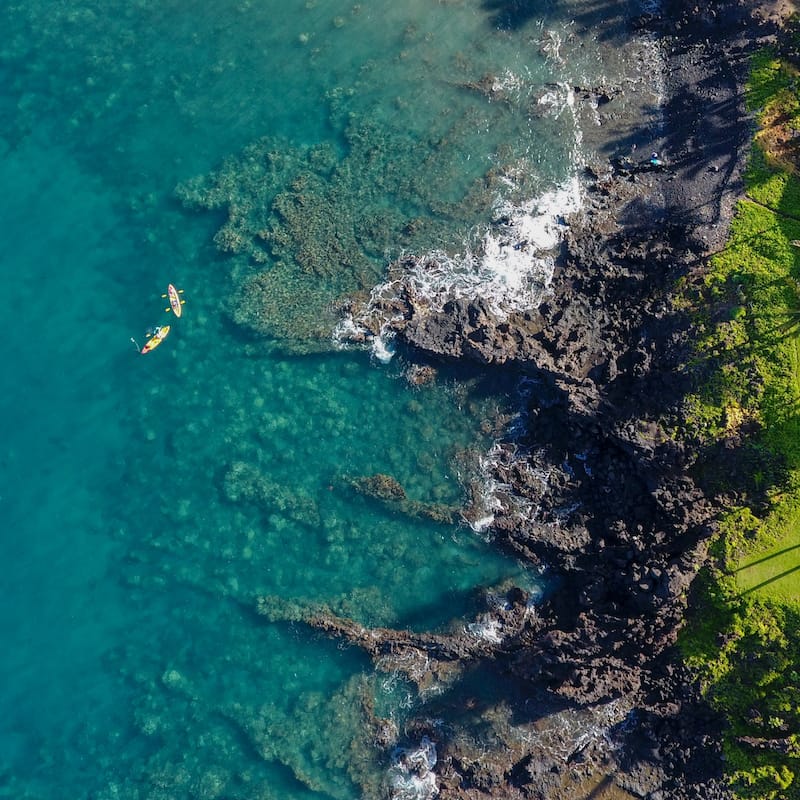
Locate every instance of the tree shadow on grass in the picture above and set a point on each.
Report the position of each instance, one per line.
(768, 581)
(767, 558)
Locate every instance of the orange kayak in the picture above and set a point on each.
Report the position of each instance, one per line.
(175, 301)
(156, 339)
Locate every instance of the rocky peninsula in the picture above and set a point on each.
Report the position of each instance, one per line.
(595, 701)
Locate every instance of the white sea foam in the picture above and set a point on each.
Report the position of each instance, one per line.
(482, 524)
(516, 261)
(560, 97)
(488, 630)
(489, 500)
(383, 346)
(510, 269)
(347, 330)
(408, 786)
(411, 775)
(509, 85)
(496, 495)
(551, 43)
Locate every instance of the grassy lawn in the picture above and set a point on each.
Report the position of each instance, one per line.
(753, 341)
(772, 573)
(767, 340)
(742, 636)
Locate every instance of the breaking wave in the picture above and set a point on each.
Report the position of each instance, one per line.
(566, 733)
(510, 269)
(488, 630)
(498, 495)
(513, 264)
(411, 776)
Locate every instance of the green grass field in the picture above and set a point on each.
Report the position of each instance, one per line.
(772, 573)
(742, 636)
(756, 350)
(768, 339)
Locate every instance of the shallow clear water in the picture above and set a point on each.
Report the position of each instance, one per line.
(147, 502)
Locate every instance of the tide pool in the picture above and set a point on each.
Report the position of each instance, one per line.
(148, 502)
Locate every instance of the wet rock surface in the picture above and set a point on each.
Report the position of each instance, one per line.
(596, 702)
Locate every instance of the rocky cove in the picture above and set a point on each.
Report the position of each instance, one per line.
(254, 565)
(595, 702)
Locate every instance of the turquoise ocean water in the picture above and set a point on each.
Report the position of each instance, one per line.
(146, 502)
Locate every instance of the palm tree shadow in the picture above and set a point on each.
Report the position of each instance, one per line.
(511, 15)
(768, 581)
(767, 558)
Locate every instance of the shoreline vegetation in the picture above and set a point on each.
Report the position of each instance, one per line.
(742, 638)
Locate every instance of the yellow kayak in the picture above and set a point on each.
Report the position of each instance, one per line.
(156, 339)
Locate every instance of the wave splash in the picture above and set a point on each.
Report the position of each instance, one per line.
(510, 269)
(411, 776)
(497, 495)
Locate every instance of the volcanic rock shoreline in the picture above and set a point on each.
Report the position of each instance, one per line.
(619, 519)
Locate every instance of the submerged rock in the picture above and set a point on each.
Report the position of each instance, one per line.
(244, 482)
(389, 491)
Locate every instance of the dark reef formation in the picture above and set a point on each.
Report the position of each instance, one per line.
(619, 519)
